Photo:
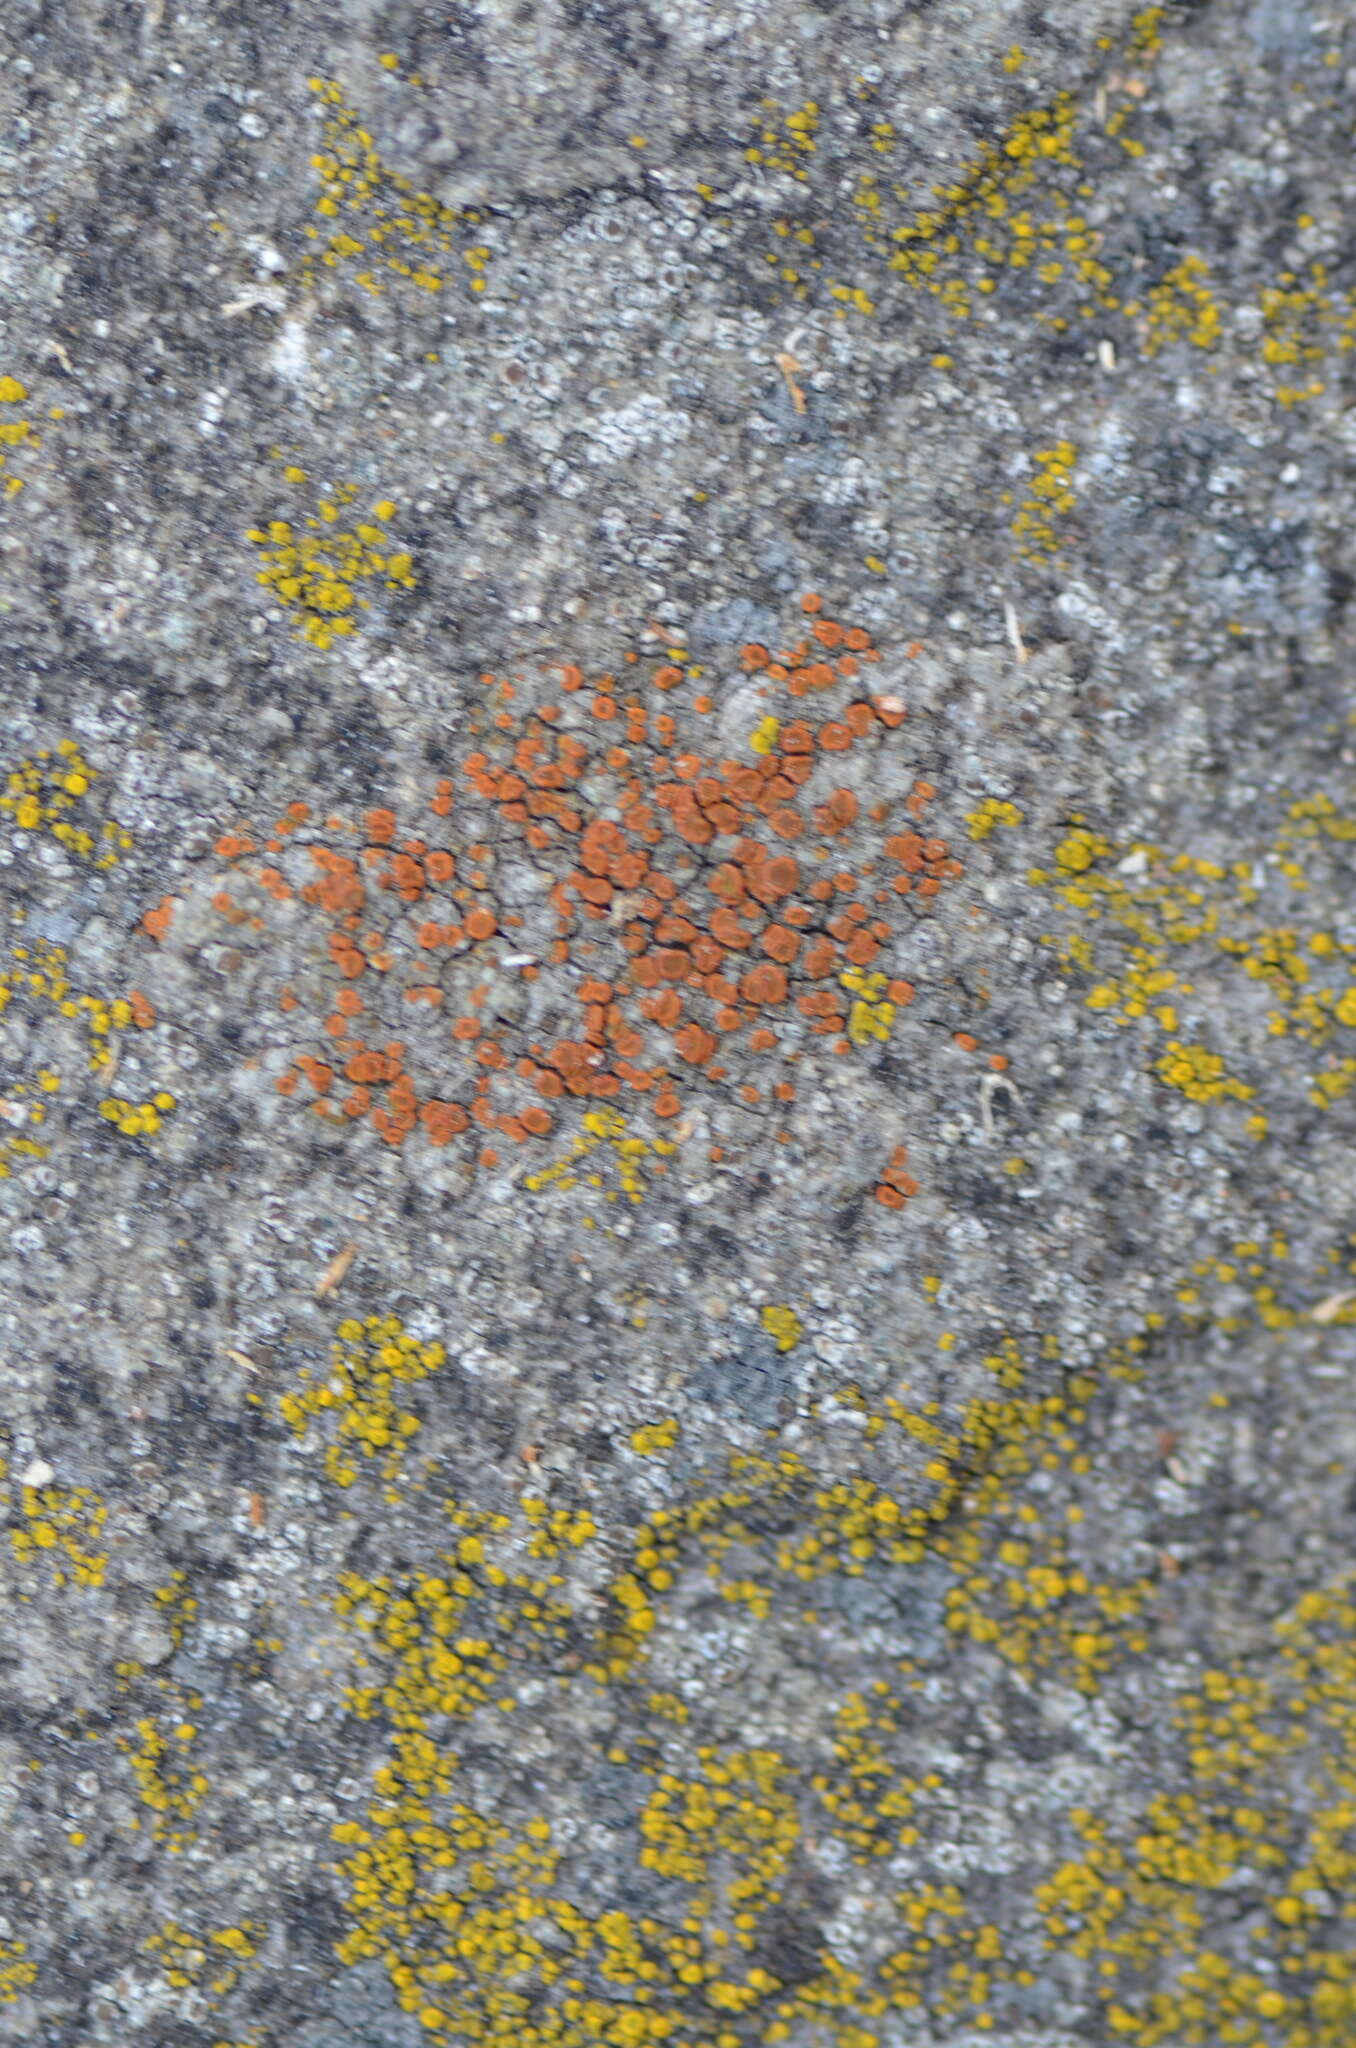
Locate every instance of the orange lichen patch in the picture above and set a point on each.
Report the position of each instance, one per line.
(765, 985)
(896, 1184)
(781, 943)
(156, 923)
(679, 900)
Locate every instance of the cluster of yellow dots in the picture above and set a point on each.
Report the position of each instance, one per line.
(1182, 307)
(1018, 1589)
(784, 144)
(653, 1437)
(844, 1526)
(872, 1806)
(64, 1525)
(369, 1363)
(470, 1915)
(177, 1605)
(605, 1132)
(315, 568)
(763, 738)
(377, 216)
(1021, 205)
(16, 1972)
(15, 432)
(43, 795)
(871, 1012)
(1146, 916)
(991, 814)
(38, 970)
(211, 1963)
(1302, 318)
(439, 1640)
(1136, 1897)
(1250, 1265)
(467, 1912)
(985, 222)
(1146, 39)
(1199, 1074)
(1048, 502)
(555, 1531)
(167, 1780)
(1017, 206)
(783, 1325)
(40, 794)
(137, 1119)
(36, 976)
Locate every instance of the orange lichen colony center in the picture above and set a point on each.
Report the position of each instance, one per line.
(695, 901)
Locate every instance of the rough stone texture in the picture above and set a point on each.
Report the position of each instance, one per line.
(690, 391)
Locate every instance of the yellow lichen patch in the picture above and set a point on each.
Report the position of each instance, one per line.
(177, 1605)
(1181, 307)
(15, 1973)
(993, 812)
(41, 795)
(782, 143)
(48, 794)
(1015, 226)
(136, 1119)
(555, 1531)
(15, 433)
(1048, 502)
(209, 1963)
(783, 1325)
(1199, 1074)
(1304, 321)
(1145, 37)
(35, 983)
(64, 1524)
(1131, 1896)
(840, 1526)
(1159, 934)
(455, 1903)
(167, 1780)
(471, 1912)
(369, 1362)
(871, 1807)
(655, 1436)
(1019, 1588)
(315, 567)
(377, 218)
(872, 1012)
(1015, 215)
(604, 1132)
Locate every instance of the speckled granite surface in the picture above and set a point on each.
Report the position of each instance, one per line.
(677, 1025)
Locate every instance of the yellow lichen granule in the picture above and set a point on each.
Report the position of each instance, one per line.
(782, 1324)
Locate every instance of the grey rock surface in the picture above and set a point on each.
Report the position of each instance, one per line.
(677, 1024)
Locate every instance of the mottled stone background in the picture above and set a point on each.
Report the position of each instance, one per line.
(819, 1514)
